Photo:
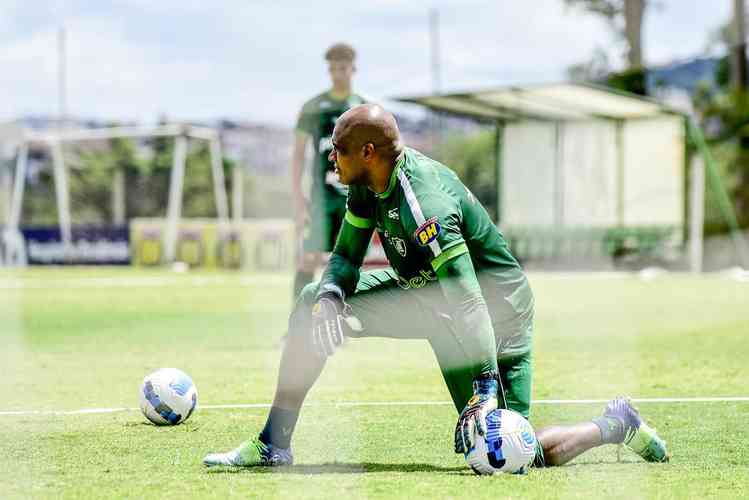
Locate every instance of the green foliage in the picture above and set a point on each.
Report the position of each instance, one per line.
(199, 199)
(715, 222)
(630, 80)
(39, 206)
(625, 18)
(151, 182)
(147, 187)
(609, 9)
(91, 179)
(594, 70)
(91, 174)
(677, 336)
(472, 158)
(725, 111)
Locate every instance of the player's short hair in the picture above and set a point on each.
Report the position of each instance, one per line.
(340, 52)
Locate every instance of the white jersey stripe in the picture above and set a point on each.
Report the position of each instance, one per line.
(413, 204)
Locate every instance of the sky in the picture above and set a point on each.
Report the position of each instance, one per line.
(259, 60)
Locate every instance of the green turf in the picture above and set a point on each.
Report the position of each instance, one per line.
(74, 339)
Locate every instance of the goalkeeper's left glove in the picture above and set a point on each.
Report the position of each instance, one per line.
(473, 416)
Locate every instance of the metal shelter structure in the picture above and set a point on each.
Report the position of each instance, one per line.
(549, 102)
(585, 155)
(12, 240)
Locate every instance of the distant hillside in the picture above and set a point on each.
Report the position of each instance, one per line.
(683, 75)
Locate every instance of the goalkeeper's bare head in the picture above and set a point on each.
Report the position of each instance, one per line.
(366, 146)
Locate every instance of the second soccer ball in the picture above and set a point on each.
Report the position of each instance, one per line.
(168, 396)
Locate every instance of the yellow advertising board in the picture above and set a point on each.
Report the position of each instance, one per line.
(262, 245)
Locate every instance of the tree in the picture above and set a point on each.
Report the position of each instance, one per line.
(198, 195)
(91, 177)
(146, 180)
(39, 205)
(596, 69)
(150, 185)
(472, 158)
(724, 111)
(625, 17)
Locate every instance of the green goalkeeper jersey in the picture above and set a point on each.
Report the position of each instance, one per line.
(435, 231)
(317, 119)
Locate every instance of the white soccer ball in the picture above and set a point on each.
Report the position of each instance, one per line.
(168, 396)
(509, 445)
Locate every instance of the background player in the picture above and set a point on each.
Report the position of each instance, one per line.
(319, 218)
(453, 282)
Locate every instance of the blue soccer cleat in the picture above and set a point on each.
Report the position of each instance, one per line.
(637, 435)
(251, 453)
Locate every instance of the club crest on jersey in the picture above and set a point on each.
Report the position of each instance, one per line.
(393, 214)
(427, 232)
(399, 245)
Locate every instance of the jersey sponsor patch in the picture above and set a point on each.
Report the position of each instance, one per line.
(419, 281)
(427, 232)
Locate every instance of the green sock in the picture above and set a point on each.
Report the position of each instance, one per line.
(279, 427)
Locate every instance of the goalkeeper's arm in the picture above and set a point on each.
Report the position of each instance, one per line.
(342, 272)
(461, 288)
(476, 337)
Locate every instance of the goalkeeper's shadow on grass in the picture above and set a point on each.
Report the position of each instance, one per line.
(342, 468)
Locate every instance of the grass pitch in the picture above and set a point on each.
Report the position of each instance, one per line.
(84, 338)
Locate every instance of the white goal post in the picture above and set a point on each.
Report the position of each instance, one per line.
(12, 239)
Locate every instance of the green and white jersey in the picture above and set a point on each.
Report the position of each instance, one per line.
(427, 217)
(435, 231)
(317, 119)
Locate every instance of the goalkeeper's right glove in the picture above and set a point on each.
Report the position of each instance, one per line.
(473, 417)
(330, 315)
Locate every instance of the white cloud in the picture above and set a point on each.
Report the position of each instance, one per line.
(261, 59)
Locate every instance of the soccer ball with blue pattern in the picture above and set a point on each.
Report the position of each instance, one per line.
(509, 445)
(168, 396)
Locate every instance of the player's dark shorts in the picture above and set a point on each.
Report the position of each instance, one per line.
(387, 310)
(325, 219)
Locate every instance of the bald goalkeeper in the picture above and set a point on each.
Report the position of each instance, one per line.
(453, 283)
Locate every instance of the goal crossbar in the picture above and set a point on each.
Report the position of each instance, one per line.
(55, 140)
